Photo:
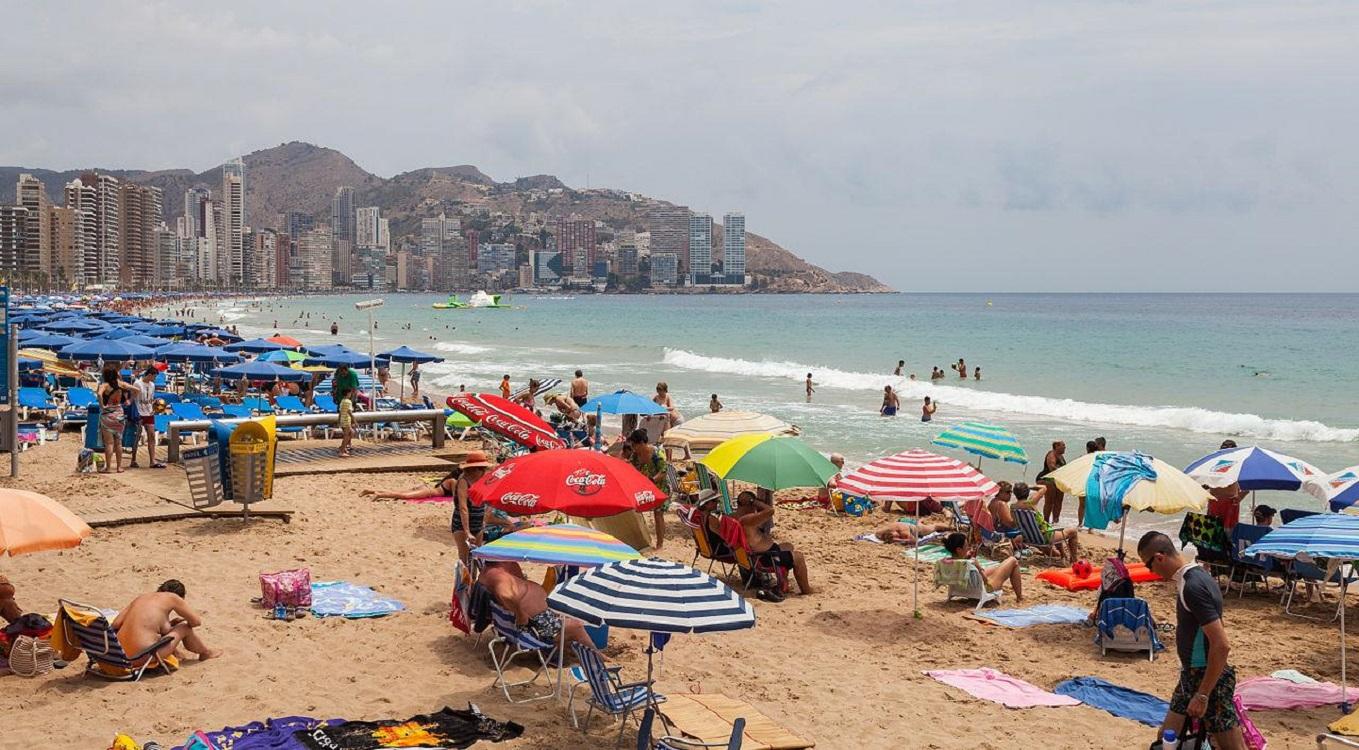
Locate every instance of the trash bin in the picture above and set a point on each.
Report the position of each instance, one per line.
(93, 440)
(202, 468)
(251, 448)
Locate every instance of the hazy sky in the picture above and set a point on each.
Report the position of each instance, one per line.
(1008, 145)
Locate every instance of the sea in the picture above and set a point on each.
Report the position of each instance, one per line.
(1172, 375)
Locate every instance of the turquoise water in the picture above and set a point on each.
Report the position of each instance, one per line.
(1170, 374)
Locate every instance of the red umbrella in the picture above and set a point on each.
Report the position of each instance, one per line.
(914, 475)
(508, 419)
(576, 482)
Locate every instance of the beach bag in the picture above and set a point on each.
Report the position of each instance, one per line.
(291, 588)
(30, 657)
(1189, 738)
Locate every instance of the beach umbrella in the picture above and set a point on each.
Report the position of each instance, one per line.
(187, 351)
(983, 440)
(1328, 536)
(654, 595)
(623, 402)
(406, 355)
(1253, 468)
(162, 329)
(544, 385)
(30, 522)
(507, 419)
(913, 475)
(282, 356)
(702, 434)
(1342, 490)
(1168, 490)
(151, 342)
(355, 360)
(774, 463)
(588, 484)
(255, 346)
(562, 544)
(256, 370)
(287, 341)
(76, 325)
(115, 333)
(217, 333)
(51, 341)
(105, 350)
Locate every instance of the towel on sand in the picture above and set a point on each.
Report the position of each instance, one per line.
(999, 687)
(345, 599)
(271, 734)
(1264, 693)
(1348, 725)
(1123, 702)
(1292, 675)
(1043, 614)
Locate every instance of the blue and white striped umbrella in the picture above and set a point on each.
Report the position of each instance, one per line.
(653, 594)
(1254, 468)
(1342, 490)
(1332, 536)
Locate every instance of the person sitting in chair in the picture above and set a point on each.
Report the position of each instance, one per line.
(1055, 536)
(9, 609)
(527, 601)
(147, 619)
(995, 576)
(757, 519)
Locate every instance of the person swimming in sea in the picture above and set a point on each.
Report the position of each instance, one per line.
(928, 409)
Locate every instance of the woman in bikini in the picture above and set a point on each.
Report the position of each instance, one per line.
(443, 488)
(113, 393)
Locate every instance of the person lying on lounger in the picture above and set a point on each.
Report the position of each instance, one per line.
(148, 618)
(994, 577)
(442, 488)
(527, 601)
(907, 533)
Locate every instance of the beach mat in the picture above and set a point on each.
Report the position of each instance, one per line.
(270, 734)
(1274, 693)
(1043, 614)
(998, 687)
(1064, 578)
(350, 600)
(708, 717)
(1120, 701)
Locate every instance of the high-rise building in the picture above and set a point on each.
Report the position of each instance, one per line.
(384, 234)
(98, 195)
(627, 261)
(198, 212)
(71, 230)
(367, 228)
(700, 247)
(284, 249)
(495, 258)
(232, 218)
(13, 226)
(342, 214)
(36, 253)
(576, 243)
(670, 233)
(298, 223)
(664, 269)
(138, 220)
(547, 266)
(314, 251)
(444, 248)
(472, 238)
(171, 271)
(341, 261)
(525, 276)
(734, 247)
(261, 271)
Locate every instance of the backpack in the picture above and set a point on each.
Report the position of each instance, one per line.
(1115, 581)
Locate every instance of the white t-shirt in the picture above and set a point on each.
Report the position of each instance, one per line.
(146, 397)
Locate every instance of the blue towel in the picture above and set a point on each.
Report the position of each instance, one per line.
(345, 599)
(1122, 702)
(1111, 476)
(1043, 614)
(1131, 613)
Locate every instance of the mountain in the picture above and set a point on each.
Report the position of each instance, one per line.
(299, 176)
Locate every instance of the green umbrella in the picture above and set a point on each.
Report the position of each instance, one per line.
(774, 463)
(981, 439)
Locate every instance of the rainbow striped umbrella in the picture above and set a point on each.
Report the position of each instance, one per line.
(986, 440)
(563, 544)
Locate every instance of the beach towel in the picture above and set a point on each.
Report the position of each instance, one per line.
(731, 532)
(933, 553)
(1292, 675)
(444, 729)
(1347, 725)
(1043, 614)
(271, 734)
(1122, 702)
(1266, 693)
(999, 687)
(1111, 476)
(349, 600)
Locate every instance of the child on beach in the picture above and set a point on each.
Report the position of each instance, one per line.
(714, 405)
(346, 423)
(505, 387)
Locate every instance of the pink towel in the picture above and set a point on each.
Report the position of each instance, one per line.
(1263, 693)
(999, 687)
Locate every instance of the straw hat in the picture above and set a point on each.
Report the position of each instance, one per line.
(476, 459)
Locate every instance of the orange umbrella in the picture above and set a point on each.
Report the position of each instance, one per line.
(284, 340)
(30, 522)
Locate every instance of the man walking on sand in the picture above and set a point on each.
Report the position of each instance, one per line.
(580, 389)
(1207, 682)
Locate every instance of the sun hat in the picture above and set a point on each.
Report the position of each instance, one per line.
(475, 459)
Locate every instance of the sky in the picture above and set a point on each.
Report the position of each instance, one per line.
(1007, 145)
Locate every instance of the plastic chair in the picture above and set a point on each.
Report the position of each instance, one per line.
(1126, 625)
(964, 581)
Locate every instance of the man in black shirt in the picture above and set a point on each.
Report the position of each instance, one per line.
(1207, 683)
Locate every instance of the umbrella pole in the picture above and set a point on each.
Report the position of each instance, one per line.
(915, 588)
(1122, 532)
(1344, 683)
(561, 660)
(403, 383)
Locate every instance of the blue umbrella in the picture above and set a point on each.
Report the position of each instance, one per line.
(189, 352)
(115, 333)
(27, 333)
(1254, 468)
(147, 341)
(256, 370)
(217, 333)
(50, 341)
(158, 329)
(622, 402)
(324, 349)
(1329, 536)
(254, 346)
(353, 359)
(74, 326)
(103, 349)
(406, 354)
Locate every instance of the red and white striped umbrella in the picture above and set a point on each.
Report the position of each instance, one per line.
(508, 419)
(914, 475)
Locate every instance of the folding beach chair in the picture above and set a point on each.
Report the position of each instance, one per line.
(1031, 533)
(1126, 625)
(707, 544)
(1311, 575)
(669, 742)
(964, 581)
(957, 516)
(85, 627)
(1252, 567)
(608, 693)
(511, 642)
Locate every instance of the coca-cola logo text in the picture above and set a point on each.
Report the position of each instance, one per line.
(644, 498)
(586, 482)
(519, 499)
(500, 473)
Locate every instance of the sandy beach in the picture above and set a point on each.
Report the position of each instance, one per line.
(842, 667)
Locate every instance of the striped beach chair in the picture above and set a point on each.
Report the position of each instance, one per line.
(1031, 533)
(512, 642)
(608, 693)
(86, 627)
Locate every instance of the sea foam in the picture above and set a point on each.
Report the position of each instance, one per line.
(1193, 419)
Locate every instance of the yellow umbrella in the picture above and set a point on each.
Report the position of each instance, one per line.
(30, 522)
(1173, 491)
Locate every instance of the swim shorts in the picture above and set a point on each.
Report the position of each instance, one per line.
(1220, 716)
(545, 626)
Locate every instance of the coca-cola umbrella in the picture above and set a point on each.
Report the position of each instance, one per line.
(580, 483)
(507, 419)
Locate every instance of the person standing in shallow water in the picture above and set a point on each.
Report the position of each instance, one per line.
(810, 389)
(890, 402)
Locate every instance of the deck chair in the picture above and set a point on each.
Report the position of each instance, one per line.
(168, 397)
(1209, 537)
(1310, 573)
(84, 627)
(511, 642)
(1252, 567)
(707, 544)
(32, 398)
(237, 411)
(668, 742)
(205, 402)
(608, 693)
(258, 404)
(957, 516)
(78, 401)
(1031, 533)
(964, 581)
(189, 410)
(1126, 625)
(749, 565)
